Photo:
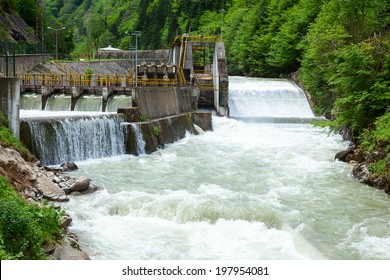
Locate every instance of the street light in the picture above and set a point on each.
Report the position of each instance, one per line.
(136, 34)
(127, 33)
(222, 11)
(56, 30)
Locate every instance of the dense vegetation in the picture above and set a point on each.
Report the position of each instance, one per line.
(339, 48)
(24, 227)
(8, 139)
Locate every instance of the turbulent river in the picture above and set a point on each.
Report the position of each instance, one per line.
(246, 190)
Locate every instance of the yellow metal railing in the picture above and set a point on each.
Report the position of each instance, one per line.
(114, 80)
(95, 80)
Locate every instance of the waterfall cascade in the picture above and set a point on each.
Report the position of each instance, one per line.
(56, 141)
(59, 102)
(139, 139)
(89, 103)
(30, 101)
(279, 101)
(85, 103)
(118, 101)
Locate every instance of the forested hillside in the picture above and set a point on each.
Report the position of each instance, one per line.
(339, 48)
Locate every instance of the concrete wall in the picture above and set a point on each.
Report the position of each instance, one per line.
(221, 80)
(159, 132)
(157, 102)
(23, 63)
(10, 98)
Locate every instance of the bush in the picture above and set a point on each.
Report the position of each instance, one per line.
(8, 139)
(24, 227)
(156, 131)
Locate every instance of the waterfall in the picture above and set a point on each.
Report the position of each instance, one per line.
(59, 102)
(139, 139)
(30, 101)
(89, 103)
(56, 141)
(118, 101)
(279, 101)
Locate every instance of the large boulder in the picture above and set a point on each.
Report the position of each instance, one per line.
(69, 249)
(50, 190)
(80, 185)
(68, 166)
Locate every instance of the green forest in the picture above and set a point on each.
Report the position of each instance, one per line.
(338, 48)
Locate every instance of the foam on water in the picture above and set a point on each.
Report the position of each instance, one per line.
(242, 191)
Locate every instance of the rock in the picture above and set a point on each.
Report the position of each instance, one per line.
(350, 158)
(65, 221)
(48, 247)
(342, 156)
(56, 180)
(362, 173)
(69, 166)
(91, 189)
(80, 184)
(33, 177)
(69, 249)
(388, 163)
(67, 190)
(375, 156)
(50, 190)
(50, 174)
(346, 133)
(359, 155)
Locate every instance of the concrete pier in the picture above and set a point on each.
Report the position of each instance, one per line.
(10, 98)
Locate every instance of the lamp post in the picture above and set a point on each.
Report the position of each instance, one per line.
(127, 33)
(222, 11)
(56, 30)
(136, 34)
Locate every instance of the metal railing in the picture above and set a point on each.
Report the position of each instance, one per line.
(94, 80)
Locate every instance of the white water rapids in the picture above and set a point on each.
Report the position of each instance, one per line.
(243, 191)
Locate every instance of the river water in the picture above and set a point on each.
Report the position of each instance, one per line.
(246, 190)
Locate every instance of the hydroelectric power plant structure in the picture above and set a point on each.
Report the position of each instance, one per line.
(195, 63)
(154, 94)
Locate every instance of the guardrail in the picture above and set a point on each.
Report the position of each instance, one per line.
(94, 80)
(110, 80)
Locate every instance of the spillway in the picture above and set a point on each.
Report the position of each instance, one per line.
(63, 139)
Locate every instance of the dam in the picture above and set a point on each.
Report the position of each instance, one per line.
(185, 65)
(74, 117)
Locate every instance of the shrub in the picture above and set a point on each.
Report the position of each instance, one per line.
(156, 131)
(25, 227)
(8, 139)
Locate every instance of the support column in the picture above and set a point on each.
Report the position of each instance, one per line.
(10, 99)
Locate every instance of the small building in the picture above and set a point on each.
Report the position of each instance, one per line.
(108, 53)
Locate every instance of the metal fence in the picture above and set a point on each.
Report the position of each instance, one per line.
(10, 48)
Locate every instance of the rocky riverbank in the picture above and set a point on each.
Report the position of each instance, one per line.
(365, 163)
(36, 183)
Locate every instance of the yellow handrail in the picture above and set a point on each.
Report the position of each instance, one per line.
(97, 80)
